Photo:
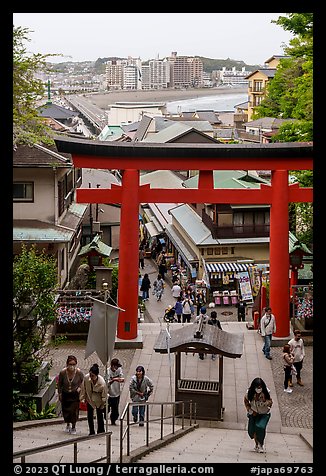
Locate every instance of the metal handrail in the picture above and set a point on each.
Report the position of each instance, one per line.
(73, 441)
(125, 433)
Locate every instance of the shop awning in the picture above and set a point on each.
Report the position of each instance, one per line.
(224, 267)
(151, 228)
(180, 245)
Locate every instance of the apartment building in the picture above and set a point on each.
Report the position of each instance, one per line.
(124, 74)
(158, 74)
(114, 74)
(174, 71)
(185, 71)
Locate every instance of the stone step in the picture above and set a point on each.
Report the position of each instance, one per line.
(87, 451)
(209, 445)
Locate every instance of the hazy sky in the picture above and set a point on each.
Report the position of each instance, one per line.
(250, 37)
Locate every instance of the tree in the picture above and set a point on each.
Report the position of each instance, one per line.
(303, 212)
(28, 126)
(290, 93)
(34, 282)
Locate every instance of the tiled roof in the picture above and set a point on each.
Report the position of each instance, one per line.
(56, 112)
(37, 231)
(269, 72)
(161, 179)
(74, 215)
(229, 179)
(174, 132)
(267, 122)
(142, 128)
(26, 156)
(277, 57)
(209, 116)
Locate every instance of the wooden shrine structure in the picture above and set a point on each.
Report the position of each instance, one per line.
(193, 339)
(132, 157)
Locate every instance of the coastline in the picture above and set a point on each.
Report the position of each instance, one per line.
(103, 100)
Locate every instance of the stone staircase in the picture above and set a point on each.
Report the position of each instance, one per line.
(28, 435)
(216, 445)
(196, 444)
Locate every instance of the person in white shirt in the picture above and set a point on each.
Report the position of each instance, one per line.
(297, 350)
(187, 303)
(176, 290)
(267, 329)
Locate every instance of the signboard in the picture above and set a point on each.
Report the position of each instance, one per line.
(245, 286)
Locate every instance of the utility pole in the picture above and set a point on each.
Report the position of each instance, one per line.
(90, 215)
(96, 209)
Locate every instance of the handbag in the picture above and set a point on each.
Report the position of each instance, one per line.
(293, 370)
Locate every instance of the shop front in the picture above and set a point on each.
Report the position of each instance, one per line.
(229, 281)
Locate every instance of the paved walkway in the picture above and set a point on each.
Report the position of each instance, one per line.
(289, 433)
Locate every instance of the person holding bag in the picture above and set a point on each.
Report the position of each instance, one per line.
(258, 403)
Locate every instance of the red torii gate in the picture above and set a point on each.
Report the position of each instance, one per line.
(133, 157)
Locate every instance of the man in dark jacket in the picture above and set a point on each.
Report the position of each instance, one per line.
(241, 305)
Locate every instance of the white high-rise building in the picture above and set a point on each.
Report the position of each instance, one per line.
(158, 74)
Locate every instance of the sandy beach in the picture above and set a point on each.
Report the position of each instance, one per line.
(167, 95)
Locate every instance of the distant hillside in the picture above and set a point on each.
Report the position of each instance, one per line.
(210, 64)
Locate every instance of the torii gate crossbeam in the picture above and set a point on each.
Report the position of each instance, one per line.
(133, 157)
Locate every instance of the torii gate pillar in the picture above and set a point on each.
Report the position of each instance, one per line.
(129, 257)
(279, 251)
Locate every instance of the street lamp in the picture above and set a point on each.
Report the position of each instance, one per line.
(296, 263)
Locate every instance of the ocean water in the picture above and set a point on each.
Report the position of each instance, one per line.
(221, 102)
